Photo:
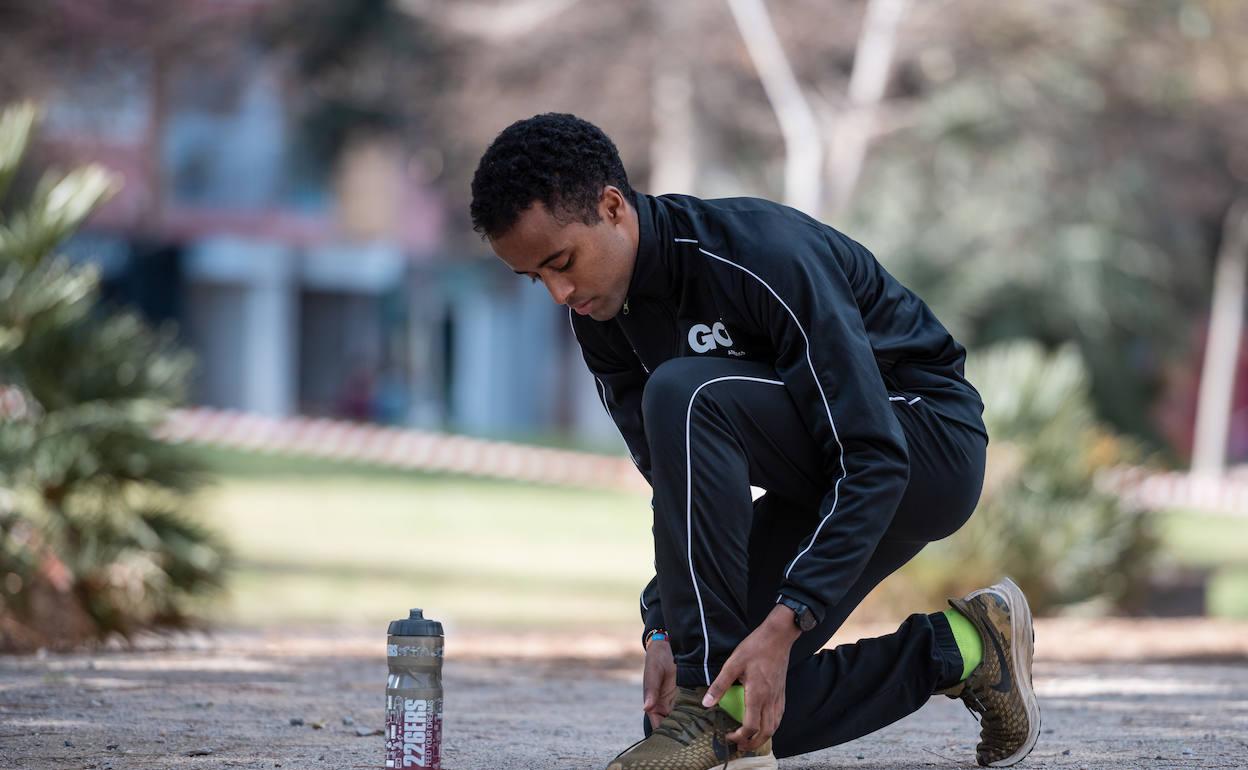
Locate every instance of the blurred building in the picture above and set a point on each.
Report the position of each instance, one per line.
(307, 286)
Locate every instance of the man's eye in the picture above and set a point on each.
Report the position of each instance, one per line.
(563, 268)
(532, 279)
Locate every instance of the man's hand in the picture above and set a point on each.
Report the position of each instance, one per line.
(760, 663)
(658, 681)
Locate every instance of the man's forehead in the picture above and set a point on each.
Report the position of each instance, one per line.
(534, 237)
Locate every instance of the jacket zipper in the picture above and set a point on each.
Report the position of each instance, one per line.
(644, 368)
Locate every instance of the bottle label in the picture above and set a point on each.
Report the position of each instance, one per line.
(413, 650)
(413, 732)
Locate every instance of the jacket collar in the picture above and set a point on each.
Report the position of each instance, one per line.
(651, 272)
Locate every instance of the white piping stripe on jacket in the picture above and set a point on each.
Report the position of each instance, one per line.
(602, 395)
(706, 641)
(818, 386)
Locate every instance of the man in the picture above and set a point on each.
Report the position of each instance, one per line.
(739, 342)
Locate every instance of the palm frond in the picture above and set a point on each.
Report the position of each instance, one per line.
(59, 208)
(17, 123)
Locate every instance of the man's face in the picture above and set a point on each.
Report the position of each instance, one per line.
(586, 267)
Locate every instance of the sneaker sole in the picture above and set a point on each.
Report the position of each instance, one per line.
(1022, 647)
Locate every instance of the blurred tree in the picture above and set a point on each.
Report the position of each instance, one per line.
(1056, 170)
(366, 69)
(92, 535)
(1062, 176)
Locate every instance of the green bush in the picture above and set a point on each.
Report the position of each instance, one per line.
(93, 540)
(1041, 518)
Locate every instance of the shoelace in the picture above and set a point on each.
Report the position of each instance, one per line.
(679, 726)
(976, 710)
(992, 726)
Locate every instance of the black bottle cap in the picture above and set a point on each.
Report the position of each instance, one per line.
(415, 625)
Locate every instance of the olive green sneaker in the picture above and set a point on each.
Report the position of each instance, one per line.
(692, 738)
(999, 690)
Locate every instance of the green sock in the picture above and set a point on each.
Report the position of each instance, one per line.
(970, 644)
(734, 702)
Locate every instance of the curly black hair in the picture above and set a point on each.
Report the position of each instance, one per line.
(555, 158)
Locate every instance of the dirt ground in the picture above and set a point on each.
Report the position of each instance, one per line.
(1115, 694)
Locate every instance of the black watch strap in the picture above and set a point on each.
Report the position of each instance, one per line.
(803, 618)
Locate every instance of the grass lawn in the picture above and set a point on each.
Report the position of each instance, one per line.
(1215, 543)
(319, 541)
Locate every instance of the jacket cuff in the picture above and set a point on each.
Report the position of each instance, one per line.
(651, 619)
(817, 608)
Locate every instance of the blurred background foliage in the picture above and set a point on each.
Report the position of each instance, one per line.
(1051, 177)
(1042, 187)
(1042, 519)
(93, 536)
(1025, 159)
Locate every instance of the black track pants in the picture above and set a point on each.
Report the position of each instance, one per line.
(717, 426)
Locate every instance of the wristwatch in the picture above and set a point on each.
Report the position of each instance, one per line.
(803, 618)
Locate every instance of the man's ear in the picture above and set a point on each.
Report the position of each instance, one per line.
(611, 205)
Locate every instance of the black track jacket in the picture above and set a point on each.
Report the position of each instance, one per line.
(751, 279)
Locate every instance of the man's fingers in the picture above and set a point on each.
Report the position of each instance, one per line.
(770, 723)
(766, 730)
(748, 732)
(715, 691)
(743, 736)
(756, 728)
(749, 726)
(727, 677)
(753, 741)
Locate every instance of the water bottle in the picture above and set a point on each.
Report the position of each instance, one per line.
(414, 693)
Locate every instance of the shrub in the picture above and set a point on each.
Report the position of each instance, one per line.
(1041, 518)
(93, 538)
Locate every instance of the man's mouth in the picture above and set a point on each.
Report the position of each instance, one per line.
(583, 308)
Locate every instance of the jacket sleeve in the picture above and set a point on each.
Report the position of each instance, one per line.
(620, 385)
(797, 293)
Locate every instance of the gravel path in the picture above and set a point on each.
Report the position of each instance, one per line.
(251, 700)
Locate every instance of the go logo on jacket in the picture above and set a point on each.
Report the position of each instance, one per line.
(703, 338)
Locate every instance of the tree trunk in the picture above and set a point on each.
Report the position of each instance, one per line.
(868, 81)
(1226, 321)
(673, 165)
(803, 163)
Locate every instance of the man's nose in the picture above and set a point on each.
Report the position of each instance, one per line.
(560, 288)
